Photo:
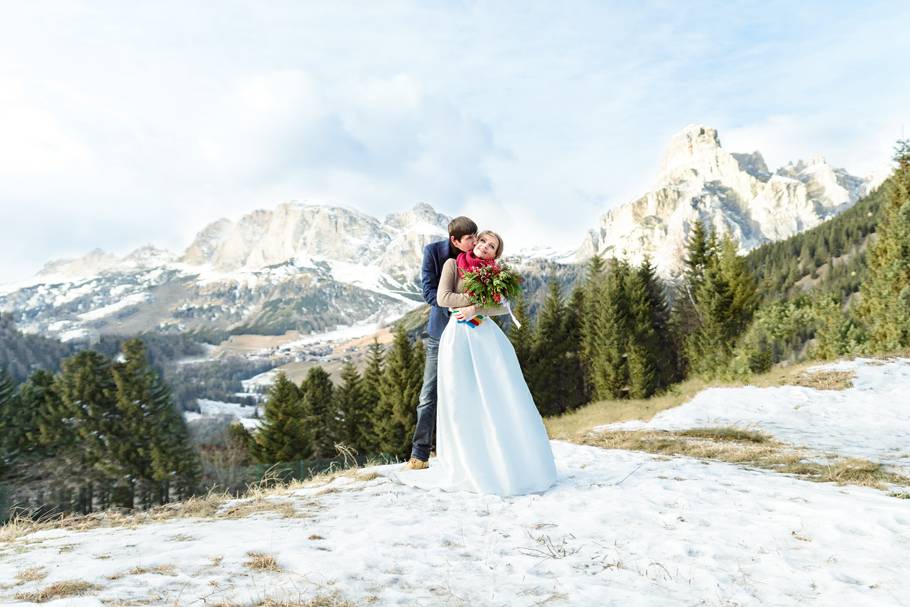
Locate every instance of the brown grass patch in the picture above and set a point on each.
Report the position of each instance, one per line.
(751, 449)
(322, 600)
(33, 574)
(569, 426)
(58, 590)
(153, 570)
(824, 380)
(209, 506)
(244, 509)
(259, 561)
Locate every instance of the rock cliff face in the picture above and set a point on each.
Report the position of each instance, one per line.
(734, 194)
(311, 268)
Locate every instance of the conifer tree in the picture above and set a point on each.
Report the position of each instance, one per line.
(549, 355)
(399, 394)
(522, 338)
(372, 382)
(612, 325)
(8, 432)
(282, 437)
(575, 380)
(89, 407)
(885, 305)
(590, 319)
(175, 463)
(42, 402)
(709, 348)
(320, 417)
(668, 356)
(742, 284)
(132, 435)
(644, 349)
(354, 427)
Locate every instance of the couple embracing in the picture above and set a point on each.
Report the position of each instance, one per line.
(489, 436)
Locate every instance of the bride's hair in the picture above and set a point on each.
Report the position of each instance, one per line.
(498, 238)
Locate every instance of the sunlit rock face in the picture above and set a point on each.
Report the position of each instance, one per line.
(731, 193)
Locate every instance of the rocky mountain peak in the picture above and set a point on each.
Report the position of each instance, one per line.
(732, 193)
(422, 216)
(93, 262)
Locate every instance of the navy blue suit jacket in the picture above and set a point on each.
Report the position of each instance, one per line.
(435, 255)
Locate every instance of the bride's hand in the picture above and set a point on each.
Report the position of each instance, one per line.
(465, 313)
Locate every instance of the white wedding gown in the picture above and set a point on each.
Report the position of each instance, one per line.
(489, 436)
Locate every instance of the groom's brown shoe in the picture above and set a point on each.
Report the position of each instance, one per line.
(416, 464)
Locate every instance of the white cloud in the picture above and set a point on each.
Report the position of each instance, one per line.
(122, 124)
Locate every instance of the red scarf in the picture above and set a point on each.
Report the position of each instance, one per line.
(468, 263)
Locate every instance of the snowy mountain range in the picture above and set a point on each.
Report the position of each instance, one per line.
(732, 193)
(297, 266)
(313, 267)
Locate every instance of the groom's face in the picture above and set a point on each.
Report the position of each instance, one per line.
(466, 243)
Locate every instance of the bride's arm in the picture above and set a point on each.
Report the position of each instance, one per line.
(446, 296)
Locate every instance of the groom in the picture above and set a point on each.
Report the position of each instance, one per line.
(462, 237)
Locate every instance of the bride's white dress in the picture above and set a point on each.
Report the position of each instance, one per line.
(489, 436)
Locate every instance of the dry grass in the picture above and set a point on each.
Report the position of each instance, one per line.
(570, 425)
(749, 448)
(33, 574)
(825, 380)
(154, 570)
(259, 561)
(322, 600)
(211, 505)
(58, 590)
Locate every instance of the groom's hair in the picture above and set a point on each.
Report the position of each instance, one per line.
(461, 227)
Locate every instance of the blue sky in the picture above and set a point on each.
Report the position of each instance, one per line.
(126, 123)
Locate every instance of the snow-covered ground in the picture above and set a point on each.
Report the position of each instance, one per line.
(213, 408)
(870, 420)
(619, 528)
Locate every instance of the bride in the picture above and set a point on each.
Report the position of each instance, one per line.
(489, 436)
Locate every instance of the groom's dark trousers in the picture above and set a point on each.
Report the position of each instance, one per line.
(435, 255)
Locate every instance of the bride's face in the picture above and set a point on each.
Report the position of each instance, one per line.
(486, 247)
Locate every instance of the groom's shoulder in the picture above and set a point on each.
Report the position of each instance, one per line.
(438, 248)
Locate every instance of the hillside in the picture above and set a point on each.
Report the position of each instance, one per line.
(829, 258)
(622, 527)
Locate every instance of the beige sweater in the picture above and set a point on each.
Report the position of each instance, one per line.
(450, 293)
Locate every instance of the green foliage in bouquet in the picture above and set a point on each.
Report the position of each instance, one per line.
(489, 285)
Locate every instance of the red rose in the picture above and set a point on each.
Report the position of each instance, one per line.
(497, 297)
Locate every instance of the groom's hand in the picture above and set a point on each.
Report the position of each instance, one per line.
(465, 313)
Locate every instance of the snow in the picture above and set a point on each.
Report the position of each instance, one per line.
(216, 408)
(126, 302)
(620, 528)
(871, 420)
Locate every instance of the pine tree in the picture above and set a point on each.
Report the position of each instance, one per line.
(589, 322)
(42, 402)
(742, 284)
(175, 463)
(612, 324)
(320, 417)
(88, 401)
(709, 348)
(132, 434)
(575, 380)
(8, 432)
(644, 349)
(372, 382)
(522, 337)
(885, 305)
(548, 354)
(399, 394)
(354, 428)
(282, 436)
(701, 248)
